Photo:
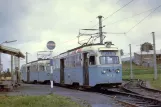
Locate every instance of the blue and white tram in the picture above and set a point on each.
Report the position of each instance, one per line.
(36, 71)
(90, 66)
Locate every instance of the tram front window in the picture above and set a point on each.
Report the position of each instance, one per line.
(109, 60)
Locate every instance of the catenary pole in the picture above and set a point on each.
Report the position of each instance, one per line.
(154, 57)
(100, 29)
(131, 74)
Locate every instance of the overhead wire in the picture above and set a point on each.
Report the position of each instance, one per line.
(122, 19)
(118, 9)
(114, 13)
(143, 19)
(130, 17)
(154, 9)
(117, 1)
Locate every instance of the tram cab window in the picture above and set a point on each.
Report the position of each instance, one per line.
(92, 60)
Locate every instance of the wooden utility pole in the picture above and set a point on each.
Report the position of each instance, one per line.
(141, 54)
(12, 68)
(131, 74)
(154, 57)
(27, 57)
(100, 29)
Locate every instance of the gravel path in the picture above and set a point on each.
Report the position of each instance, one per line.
(84, 98)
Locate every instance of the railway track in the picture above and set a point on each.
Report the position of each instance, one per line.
(139, 87)
(127, 99)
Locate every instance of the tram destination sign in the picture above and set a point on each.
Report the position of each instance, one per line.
(108, 53)
(51, 45)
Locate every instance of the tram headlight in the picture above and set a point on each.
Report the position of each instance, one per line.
(103, 72)
(117, 70)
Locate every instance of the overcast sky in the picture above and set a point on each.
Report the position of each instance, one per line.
(34, 22)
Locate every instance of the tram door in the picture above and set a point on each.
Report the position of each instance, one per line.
(62, 71)
(85, 70)
(28, 74)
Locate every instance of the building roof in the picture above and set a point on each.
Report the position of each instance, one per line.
(11, 51)
(158, 52)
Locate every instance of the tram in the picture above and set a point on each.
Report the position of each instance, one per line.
(36, 71)
(91, 65)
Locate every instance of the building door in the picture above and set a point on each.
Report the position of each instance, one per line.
(85, 70)
(28, 74)
(62, 71)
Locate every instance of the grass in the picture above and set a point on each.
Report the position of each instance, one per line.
(143, 73)
(36, 101)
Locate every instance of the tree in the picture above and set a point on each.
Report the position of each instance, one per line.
(146, 47)
(121, 52)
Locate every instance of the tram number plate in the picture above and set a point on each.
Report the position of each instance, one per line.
(110, 75)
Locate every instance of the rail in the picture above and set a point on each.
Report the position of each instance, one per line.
(138, 87)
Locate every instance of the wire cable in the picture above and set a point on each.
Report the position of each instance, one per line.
(143, 19)
(110, 15)
(117, 1)
(119, 9)
(130, 17)
(115, 12)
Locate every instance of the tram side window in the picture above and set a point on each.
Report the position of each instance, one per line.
(67, 65)
(57, 63)
(48, 68)
(53, 64)
(73, 60)
(66, 62)
(69, 62)
(78, 60)
(92, 60)
(41, 68)
(23, 69)
(34, 68)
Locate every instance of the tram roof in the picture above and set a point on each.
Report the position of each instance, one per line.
(81, 47)
(98, 44)
(11, 51)
(37, 61)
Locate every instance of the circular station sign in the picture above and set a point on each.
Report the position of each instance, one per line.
(51, 45)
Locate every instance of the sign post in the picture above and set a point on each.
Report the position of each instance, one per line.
(51, 46)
